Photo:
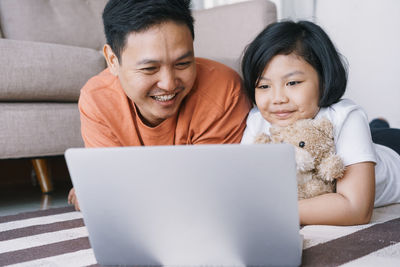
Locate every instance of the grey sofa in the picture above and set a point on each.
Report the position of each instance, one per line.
(49, 49)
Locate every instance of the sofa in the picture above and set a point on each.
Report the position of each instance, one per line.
(49, 49)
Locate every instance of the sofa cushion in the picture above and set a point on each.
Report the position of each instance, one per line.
(31, 71)
(224, 31)
(70, 22)
(38, 129)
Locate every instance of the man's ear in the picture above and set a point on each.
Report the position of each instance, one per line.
(112, 60)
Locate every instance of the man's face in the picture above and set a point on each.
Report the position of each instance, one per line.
(157, 70)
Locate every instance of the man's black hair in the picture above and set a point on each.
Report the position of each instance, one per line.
(308, 41)
(122, 17)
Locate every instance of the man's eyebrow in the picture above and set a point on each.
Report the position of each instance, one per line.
(147, 61)
(152, 61)
(188, 54)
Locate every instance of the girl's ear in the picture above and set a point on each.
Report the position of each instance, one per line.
(111, 59)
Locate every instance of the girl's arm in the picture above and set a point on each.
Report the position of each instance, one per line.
(352, 203)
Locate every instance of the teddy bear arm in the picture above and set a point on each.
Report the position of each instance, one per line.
(331, 168)
(262, 139)
(304, 160)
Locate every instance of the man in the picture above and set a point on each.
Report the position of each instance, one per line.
(154, 91)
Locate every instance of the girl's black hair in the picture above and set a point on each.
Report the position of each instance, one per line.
(305, 39)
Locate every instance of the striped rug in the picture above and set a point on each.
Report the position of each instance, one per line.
(58, 237)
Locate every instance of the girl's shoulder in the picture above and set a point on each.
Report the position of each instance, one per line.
(342, 107)
(255, 125)
(337, 113)
(256, 120)
(345, 114)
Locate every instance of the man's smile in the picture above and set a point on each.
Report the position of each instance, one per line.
(164, 98)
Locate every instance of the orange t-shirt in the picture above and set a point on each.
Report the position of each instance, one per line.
(214, 111)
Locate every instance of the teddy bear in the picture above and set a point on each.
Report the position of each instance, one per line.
(318, 166)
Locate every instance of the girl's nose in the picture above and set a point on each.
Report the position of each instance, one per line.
(280, 96)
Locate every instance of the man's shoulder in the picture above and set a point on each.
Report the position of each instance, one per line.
(102, 92)
(102, 82)
(216, 83)
(217, 70)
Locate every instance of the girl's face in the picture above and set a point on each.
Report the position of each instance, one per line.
(288, 90)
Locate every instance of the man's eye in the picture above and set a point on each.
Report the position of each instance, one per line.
(149, 69)
(182, 65)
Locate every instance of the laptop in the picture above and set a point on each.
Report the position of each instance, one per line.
(202, 205)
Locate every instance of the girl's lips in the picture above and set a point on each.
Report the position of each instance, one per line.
(283, 113)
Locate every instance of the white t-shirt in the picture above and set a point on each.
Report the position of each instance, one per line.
(353, 144)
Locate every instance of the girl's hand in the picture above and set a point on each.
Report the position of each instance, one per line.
(72, 200)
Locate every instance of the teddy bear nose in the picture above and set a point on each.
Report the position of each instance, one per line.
(302, 144)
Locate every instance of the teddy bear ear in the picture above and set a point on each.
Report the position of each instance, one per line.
(324, 125)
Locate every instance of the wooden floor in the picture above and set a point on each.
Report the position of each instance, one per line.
(20, 192)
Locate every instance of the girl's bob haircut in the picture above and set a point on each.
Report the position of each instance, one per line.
(308, 41)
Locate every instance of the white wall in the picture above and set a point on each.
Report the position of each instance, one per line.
(296, 9)
(199, 4)
(367, 33)
(292, 9)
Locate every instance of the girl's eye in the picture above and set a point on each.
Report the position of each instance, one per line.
(263, 86)
(291, 83)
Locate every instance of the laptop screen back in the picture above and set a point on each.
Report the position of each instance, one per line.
(225, 205)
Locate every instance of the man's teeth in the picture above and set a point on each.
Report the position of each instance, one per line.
(164, 97)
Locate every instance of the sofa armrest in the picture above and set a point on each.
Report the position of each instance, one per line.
(33, 71)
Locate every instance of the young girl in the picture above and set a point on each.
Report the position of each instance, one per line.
(292, 71)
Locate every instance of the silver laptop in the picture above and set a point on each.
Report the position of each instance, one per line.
(204, 205)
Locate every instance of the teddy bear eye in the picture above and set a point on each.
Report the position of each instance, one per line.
(302, 144)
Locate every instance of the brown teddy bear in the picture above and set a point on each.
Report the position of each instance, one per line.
(317, 164)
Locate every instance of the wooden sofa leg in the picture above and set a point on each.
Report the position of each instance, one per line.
(42, 175)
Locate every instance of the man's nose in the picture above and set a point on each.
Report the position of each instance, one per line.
(167, 80)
